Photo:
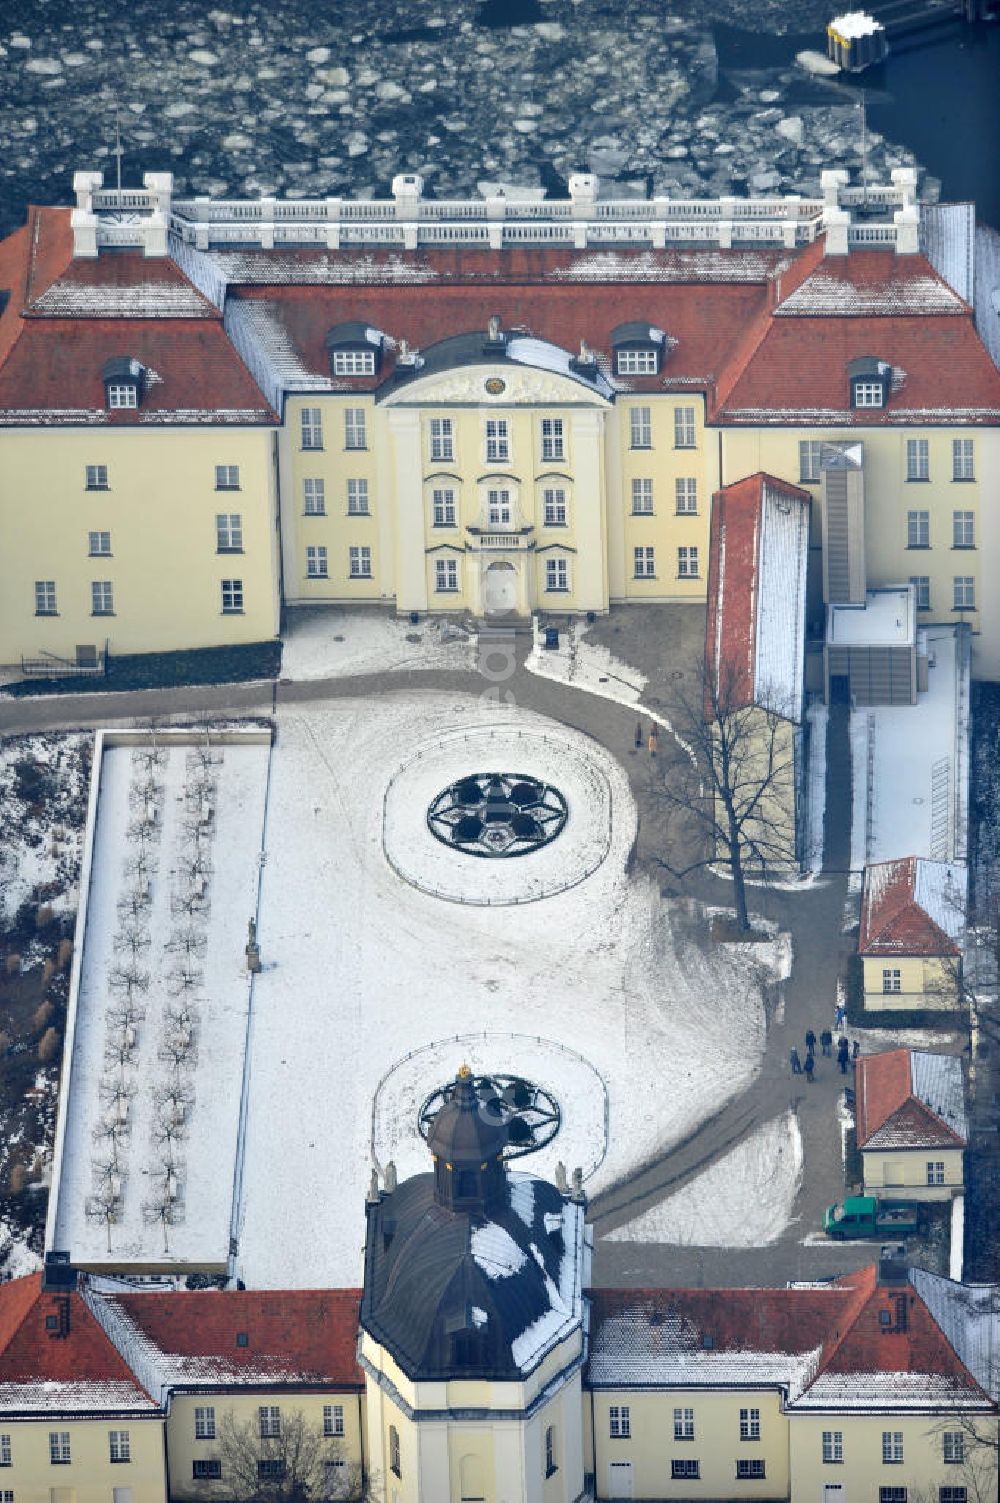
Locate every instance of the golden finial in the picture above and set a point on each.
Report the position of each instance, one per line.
(464, 1072)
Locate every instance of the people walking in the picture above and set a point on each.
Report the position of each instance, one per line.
(794, 1061)
(652, 743)
(826, 1040)
(639, 738)
(855, 1049)
(810, 1067)
(811, 1042)
(841, 1015)
(843, 1055)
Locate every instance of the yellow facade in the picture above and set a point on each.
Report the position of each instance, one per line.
(913, 1173)
(89, 1476)
(765, 749)
(136, 511)
(923, 981)
(862, 1471)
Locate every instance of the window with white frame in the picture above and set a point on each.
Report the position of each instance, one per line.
(892, 1495)
(443, 499)
(232, 597)
(750, 1471)
(868, 394)
(355, 433)
(360, 562)
(684, 428)
(102, 597)
(918, 529)
(684, 1470)
(316, 563)
(891, 979)
(6, 1451)
(640, 422)
(964, 592)
(833, 1446)
(550, 1450)
(963, 459)
(357, 498)
(123, 394)
(229, 532)
(314, 497)
(963, 529)
(953, 1495)
(45, 597)
(553, 446)
(683, 1424)
(687, 563)
(922, 590)
(619, 1422)
(554, 506)
(395, 1464)
(6, 1495)
(935, 1171)
(686, 496)
(99, 544)
(556, 575)
(59, 1448)
(311, 419)
(271, 1468)
(810, 455)
(749, 1424)
(642, 498)
(446, 575)
(953, 1446)
(442, 439)
(97, 477)
(333, 1419)
(497, 439)
(354, 362)
(892, 1447)
(204, 1422)
(645, 563)
(206, 1468)
(119, 1445)
(269, 1421)
(498, 507)
(636, 362)
(227, 477)
(918, 460)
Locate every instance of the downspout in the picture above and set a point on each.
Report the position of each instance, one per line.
(361, 1438)
(593, 1439)
(277, 523)
(721, 480)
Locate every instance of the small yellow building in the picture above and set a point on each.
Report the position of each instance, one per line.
(912, 919)
(912, 1127)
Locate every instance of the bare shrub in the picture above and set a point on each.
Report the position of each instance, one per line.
(43, 1015)
(48, 971)
(17, 1178)
(64, 954)
(48, 1045)
(44, 916)
(12, 964)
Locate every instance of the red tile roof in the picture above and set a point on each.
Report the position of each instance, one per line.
(892, 921)
(887, 1105)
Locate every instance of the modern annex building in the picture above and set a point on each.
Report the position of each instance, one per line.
(480, 1367)
(492, 406)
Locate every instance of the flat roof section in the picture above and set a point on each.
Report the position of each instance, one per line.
(887, 619)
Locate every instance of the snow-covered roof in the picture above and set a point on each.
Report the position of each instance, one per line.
(947, 239)
(913, 907)
(937, 1082)
(855, 23)
(49, 1396)
(969, 1316)
(887, 619)
(545, 356)
(910, 1099)
(828, 292)
(887, 1390)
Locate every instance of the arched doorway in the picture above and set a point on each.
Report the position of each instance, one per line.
(500, 589)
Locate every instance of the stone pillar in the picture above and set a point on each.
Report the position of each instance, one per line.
(905, 178)
(154, 234)
(590, 574)
(907, 222)
(407, 482)
(583, 187)
(84, 226)
(835, 224)
(832, 180)
(266, 224)
(726, 234)
(407, 190)
(160, 187)
(85, 185)
(789, 233)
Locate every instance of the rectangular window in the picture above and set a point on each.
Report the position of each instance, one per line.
(964, 592)
(355, 436)
(687, 563)
(684, 1470)
(918, 461)
(333, 1419)
(497, 439)
(45, 597)
(619, 1421)
(6, 1453)
(683, 1424)
(962, 459)
(446, 575)
(953, 1495)
(640, 427)
(442, 439)
(314, 497)
(444, 507)
(891, 980)
(269, 1419)
(892, 1495)
(869, 394)
(312, 428)
(97, 477)
(6, 1495)
(357, 498)
(59, 1451)
(360, 562)
(271, 1468)
(963, 525)
(918, 529)
(556, 575)
(102, 597)
(498, 508)
(554, 507)
(232, 597)
(935, 1171)
(833, 1445)
(204, 1422)
(227, 477)
(99, 544)
(229, 532)
(552, 439)
(316, 563)
(395, 1464)
(953, 1443)
(686, 496)
(206, 1469)
(635, 362)
(684, 437)
(118, 1445)
(123, 395)
(892, 1447)
(642, 498)
(922, 590)
(747, 1471)
(645, 563)
(810, 450)
(749, 1424)
(354, 362)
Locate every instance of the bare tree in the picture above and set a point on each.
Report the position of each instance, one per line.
(298, 1465)
(188, 940)
(131, 939)
(729, 797)
(128, 977)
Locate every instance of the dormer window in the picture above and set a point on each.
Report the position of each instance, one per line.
(121, 394)
(354, 362)
(124, 379)
(637, 349)
(870, 381)
(355, 349)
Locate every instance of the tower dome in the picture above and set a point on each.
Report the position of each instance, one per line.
(467, 1140)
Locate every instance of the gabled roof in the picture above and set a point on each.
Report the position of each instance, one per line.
(870, 284)
(69, 1366)
(912, 907)
(910, 1099)
(758, 558)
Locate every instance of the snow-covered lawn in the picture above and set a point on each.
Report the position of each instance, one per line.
(360, 969)
(585, 665)
(744, 1199)
(43, 793)
(336, 642)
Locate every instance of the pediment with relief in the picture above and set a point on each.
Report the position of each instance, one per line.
(494, 386)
